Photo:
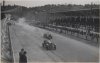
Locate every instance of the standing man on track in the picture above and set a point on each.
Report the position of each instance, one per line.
(22, 56)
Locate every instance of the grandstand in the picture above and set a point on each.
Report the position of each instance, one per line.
(83, 22)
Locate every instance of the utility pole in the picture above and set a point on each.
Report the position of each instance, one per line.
(91, 7)
(3, 3)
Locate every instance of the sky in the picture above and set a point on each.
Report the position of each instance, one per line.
(33, 3)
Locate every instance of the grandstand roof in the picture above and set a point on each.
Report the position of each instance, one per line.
(81, 12)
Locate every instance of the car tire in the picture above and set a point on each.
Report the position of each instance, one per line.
(54, 47)
(47, 48)
(43, 45)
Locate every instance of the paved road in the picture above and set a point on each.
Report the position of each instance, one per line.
(68, 50)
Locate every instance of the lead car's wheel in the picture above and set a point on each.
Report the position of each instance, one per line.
(48, 48)
(54, 47)
(43, 45)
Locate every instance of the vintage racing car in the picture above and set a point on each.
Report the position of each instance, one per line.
(47, 36)
(47, 44)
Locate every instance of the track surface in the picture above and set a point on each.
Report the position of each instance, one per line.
(68, 50)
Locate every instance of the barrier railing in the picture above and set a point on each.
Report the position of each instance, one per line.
(6, 48)
(81, 33)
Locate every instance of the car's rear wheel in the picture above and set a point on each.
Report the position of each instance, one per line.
(54, 47)
(48, 48)
(43, 44)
